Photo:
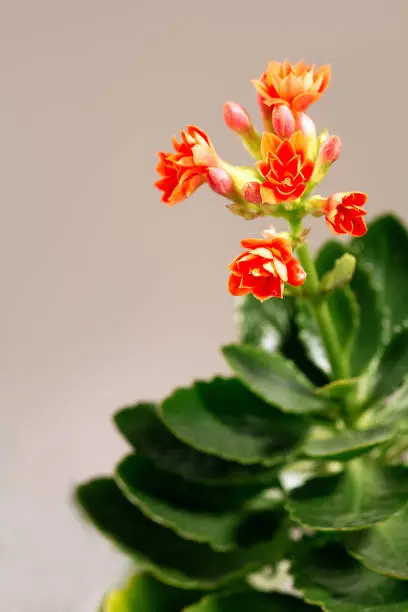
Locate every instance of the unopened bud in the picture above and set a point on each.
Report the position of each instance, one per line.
(283, 122)
(220, 181)
(305, 124)
(236, 117)
(252, 192)
(330, 150)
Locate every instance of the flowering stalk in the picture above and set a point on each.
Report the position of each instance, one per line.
(319, 306)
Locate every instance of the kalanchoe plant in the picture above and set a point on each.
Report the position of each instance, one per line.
(296, 461)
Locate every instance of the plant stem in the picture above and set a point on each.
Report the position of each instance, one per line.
(320, 307)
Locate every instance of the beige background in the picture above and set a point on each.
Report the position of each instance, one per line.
(107, 296)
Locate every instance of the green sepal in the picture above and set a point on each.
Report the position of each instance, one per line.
(340, 275)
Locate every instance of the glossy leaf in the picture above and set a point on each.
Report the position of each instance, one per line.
(223, 418)
(142, 427)
(166, 555)
(264, 324)
(143, 593)
(393, 366)
(384, 548)
(194, 511)
(250, 601)
(394, 409)
(385, 249)
(372, 330)
(274, 379)
(349, 444)
(331, 578)
(361, 496)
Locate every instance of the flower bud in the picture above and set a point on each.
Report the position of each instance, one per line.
(220, 181)
(252, 192)
(236, 117)
(305, 124)
(330, 150)
(283, 122)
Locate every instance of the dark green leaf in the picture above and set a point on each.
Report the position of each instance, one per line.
(194, 511)
(274, 379)
(264, 324)
(393, 366)
(373, 327)
(223, 418)
(331, 578)
(250, 601)
(166, 555)
(385, 249)
(361, 496)
(394, 409)
(143, 593)
(384, 548)
(349, 444)
(145, 431)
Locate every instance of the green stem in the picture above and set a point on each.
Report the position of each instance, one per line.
(320, 307)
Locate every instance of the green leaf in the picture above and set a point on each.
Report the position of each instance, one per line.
(166, 555)
(384, 548)
(393, 366)
(373, 327)
(194, 511)
(274, 379)
(394, 409)
(385, 249)
(338, 389)
(264, 324)
(361, 496)
(253, 601)
(142, 427)
(329, 577)
(349, 444)
(340, 275)
(223, 418)
(143, 593)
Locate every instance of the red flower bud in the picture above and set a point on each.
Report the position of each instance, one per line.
(220, 181)
(330, 150)
(305, 124)
(283, 122)
(236, 117)
(252, 192)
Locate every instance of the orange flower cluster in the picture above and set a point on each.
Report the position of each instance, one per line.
(265, 267)
(290, 162)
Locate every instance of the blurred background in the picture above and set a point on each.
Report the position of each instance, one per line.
(107, 296)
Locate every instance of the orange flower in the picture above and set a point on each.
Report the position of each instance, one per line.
(344, 214)
(185, 170)
(296, 86)
(285, 167)
(264, 267)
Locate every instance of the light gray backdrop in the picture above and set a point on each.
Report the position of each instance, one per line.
(107, 296)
